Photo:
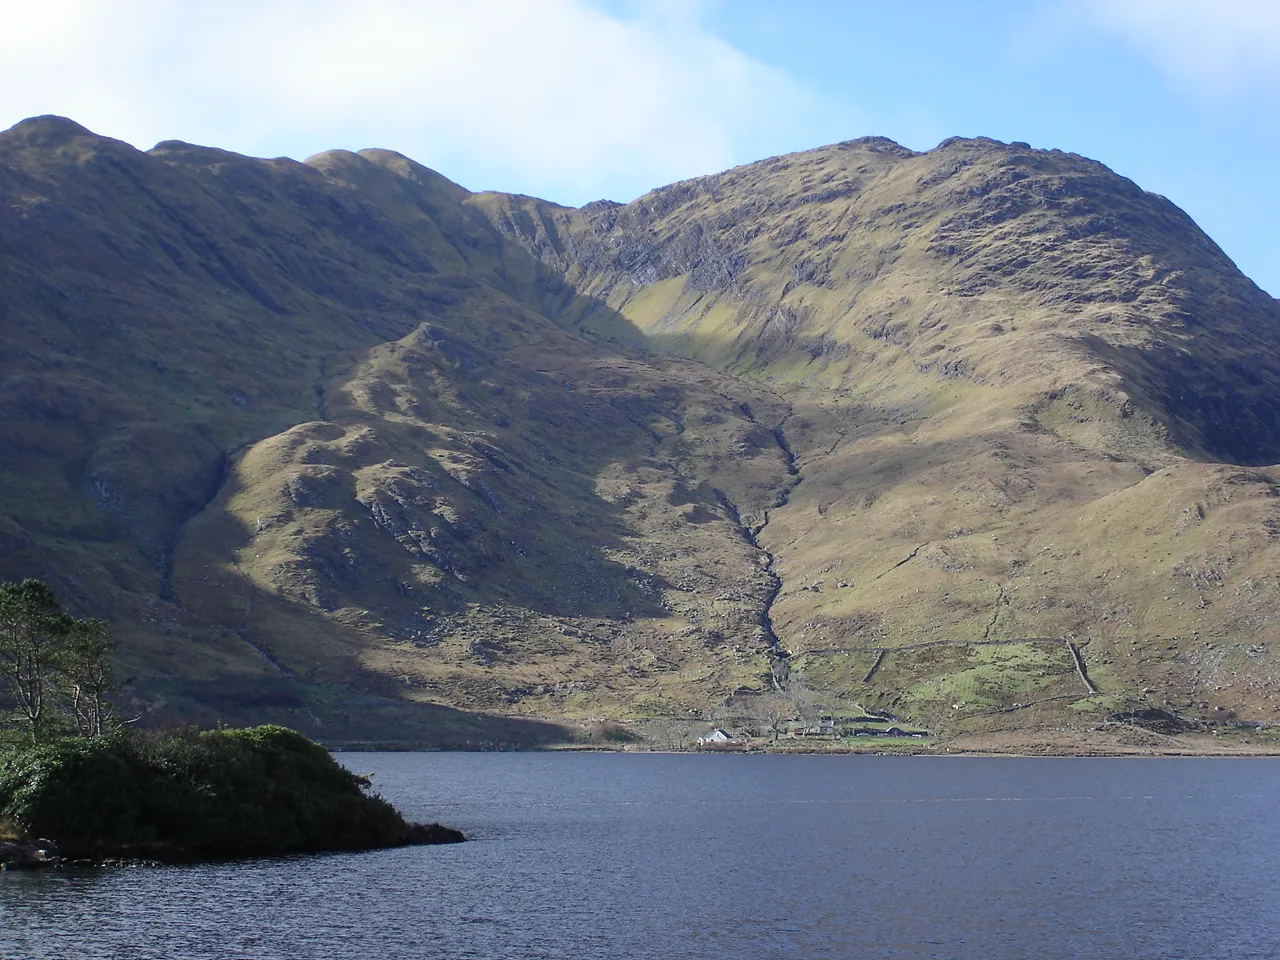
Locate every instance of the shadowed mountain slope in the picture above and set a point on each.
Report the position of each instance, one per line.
(302, 432)
(978, 435)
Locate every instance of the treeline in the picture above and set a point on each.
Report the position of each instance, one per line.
(54, 668)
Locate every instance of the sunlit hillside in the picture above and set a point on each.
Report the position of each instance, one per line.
(979, 438)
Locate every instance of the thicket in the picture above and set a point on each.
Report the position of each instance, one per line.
(54, 668)
(211, 794)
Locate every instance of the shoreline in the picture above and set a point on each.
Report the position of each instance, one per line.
(1121, 736)
(1042, 748)
(43, 854)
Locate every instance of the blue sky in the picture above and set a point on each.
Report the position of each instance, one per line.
(1183, 98)
(574, 100)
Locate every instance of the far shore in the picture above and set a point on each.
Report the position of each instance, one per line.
(1127, 744)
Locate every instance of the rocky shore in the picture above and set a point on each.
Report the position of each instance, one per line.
(28, 854)
(43, 853)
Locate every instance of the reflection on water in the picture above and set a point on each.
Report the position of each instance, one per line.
(660, 856)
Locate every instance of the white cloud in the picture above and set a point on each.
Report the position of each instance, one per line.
(1211, 46)
(555, 94)
(71, 56)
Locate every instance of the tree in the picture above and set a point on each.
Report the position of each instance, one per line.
(772, 712)
(86, 671)
(49, 660)
(33, 631)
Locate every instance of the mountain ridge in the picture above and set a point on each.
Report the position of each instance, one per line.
(381, 447)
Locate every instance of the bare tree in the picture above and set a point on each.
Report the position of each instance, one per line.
(772, 711)
(33, 631)
(808, 705)
(86, 670)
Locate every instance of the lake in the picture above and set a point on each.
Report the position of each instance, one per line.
(596, 856)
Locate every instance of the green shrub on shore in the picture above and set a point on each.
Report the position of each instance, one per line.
(217, 793)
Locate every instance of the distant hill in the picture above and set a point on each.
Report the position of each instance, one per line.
(979, 437)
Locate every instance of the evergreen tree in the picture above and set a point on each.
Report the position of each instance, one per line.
(49, 659)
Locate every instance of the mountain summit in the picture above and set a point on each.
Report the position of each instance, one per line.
(976, 437)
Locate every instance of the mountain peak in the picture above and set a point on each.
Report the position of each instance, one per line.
(409, 169)
(49, 130)
(877, 145)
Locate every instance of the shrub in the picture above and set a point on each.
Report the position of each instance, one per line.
(220, 793)
(75, 790)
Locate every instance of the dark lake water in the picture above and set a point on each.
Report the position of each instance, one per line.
(655, 856)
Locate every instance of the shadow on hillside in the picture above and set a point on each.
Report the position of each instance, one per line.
(475, 342)
(203, 295)
(347, 719)
(1221, 403)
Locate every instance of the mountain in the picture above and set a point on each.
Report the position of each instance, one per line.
(978, 437)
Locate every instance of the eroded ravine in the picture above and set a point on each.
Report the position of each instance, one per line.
(779, 656)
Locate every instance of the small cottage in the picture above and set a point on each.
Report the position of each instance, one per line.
(826, 727)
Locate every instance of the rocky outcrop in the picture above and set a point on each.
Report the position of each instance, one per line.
(28, 854)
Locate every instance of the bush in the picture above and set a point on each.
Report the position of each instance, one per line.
(75, 790)
(220, 793)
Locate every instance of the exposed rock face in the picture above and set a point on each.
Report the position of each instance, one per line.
(337, 441)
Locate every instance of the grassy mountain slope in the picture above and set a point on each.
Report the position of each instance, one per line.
(979, 436)
(1025, 368)
(299, 431)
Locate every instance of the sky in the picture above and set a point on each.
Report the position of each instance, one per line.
(577, 100)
